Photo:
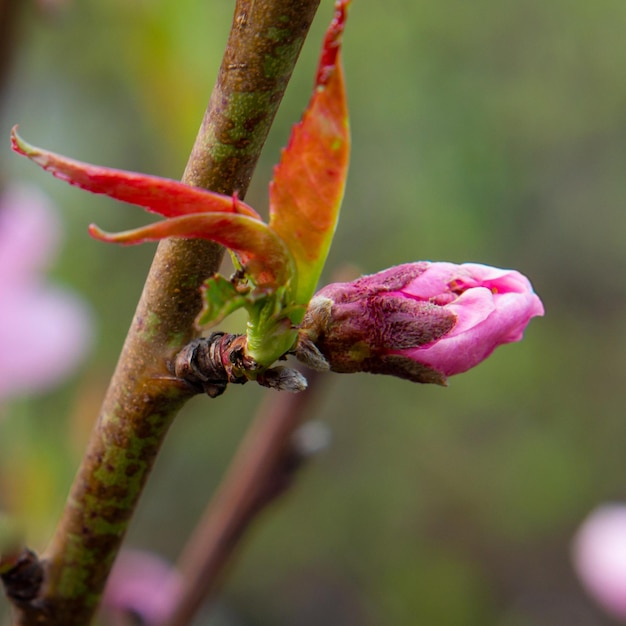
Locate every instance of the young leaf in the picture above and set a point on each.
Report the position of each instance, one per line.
(309, 181)
(262, 253)
(220, 298)
(166, 197)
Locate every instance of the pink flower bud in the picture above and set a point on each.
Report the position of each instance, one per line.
(142, 584)
(420, 321)
(599, 554)
(45, 330)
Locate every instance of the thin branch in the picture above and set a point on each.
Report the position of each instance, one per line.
(262, 470)
(8, 27)
(143, 398)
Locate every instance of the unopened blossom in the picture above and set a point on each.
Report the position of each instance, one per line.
(45, 330)
(420, 321)
(599, 555)
(141, 584)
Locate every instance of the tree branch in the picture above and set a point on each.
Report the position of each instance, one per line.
(143, 397)
(262, 470)
(8, 27)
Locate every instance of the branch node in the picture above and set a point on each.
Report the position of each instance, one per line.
(22, 581)
(208, 364)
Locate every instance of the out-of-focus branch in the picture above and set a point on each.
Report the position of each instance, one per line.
(262, 470)
(143, 397)
(8, 27)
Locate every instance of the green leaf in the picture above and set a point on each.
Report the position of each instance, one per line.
(270, 332)
(263, 254)
(309, 181)
(166, 197)
(220, 298)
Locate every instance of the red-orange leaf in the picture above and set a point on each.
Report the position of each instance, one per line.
(309, 181)
(262, 252)
(166, 197)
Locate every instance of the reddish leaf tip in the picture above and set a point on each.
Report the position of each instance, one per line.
(26, 149)
(97, 233)
(126, 237)
(17, 143)
(332, 43)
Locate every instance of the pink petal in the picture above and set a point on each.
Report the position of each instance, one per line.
(498, 280)
(472, 308)
(433, 282)
(45, 333)
(599, 553)
(144, 584)
(484, 322)
(465, 346)
(29, 232)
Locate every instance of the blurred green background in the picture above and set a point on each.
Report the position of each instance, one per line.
(489, 131)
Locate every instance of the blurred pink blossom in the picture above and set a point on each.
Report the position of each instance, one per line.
(141, 584)
(599, 554)
(421, 321)
(45, 330)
